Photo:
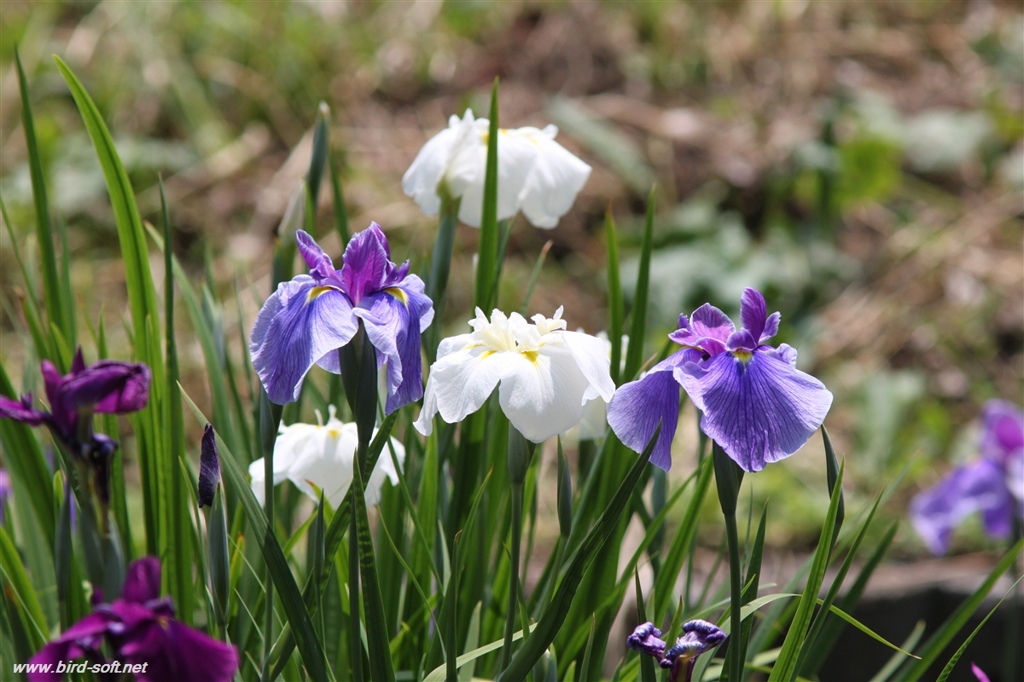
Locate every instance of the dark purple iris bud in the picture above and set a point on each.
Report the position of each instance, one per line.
(645, 639)
(310, 317)
(698, 637)
(209, 467)
(754, 402)
(140, 628)
(107, 387)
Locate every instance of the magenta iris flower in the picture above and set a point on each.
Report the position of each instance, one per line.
(108, 387)
(699, 636)
(756, 404)
(140, 629)
(310, 317)
(992, 485)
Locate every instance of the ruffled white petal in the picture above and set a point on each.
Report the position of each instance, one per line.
(459, 384)
(556, 178)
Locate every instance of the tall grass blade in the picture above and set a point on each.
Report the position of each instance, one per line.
(44, 228)
(145, 313)
(638, 316)
(616, 306)
(785, 666)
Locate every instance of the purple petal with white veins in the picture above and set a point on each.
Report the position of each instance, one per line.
(759, 411)
(637, 407)
(707, 328)
(771, 327)
(978, 486)
(753, 312)
(319, 263)
(366, 263)
(298, 325)
(395, 333)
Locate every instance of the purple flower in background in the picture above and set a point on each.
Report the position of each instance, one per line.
(140, 628)
(310, 317)
(756, 404)
(698, 637)
(108, 386)
(979, 673)
(992, 485)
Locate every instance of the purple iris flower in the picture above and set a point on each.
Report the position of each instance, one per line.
(993, 484)
(108, 386)
(698, 637)
(309, 318)
(755, 403)
(139, 629)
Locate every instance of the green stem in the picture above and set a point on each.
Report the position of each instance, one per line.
(518, 463)
(728, 477)
(513, 581)
(354, 641)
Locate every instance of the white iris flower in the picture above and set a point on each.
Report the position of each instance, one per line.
(545, 375)
(536, 175)
(322, 455)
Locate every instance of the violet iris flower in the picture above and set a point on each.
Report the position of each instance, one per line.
(140, 628)
(756, 404)
(992, 485)
(108, 386)
(698, 637)
(311, 316)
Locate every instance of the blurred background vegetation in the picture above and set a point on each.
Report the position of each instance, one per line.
(862, 163)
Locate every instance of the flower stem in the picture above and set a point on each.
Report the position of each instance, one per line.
(728, 477)
(518, 462)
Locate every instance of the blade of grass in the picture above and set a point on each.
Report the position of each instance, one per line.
(44, 228)
(616, 306)
(785, 666)
(638, 315)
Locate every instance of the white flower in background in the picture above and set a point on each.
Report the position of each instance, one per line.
(536, 175)
(322, 455)
(545, 375)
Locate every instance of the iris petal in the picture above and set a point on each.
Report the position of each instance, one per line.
(638, 407)
(366, 263)
(294, 330)
(759, 411)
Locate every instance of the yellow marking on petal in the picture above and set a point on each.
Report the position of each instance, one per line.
(487, 354)
(316, 292)
(530, 355)
(402, 297)
(742, 355)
